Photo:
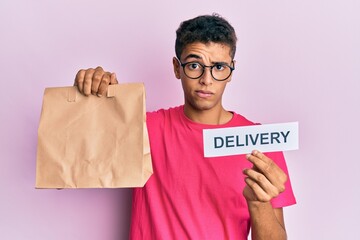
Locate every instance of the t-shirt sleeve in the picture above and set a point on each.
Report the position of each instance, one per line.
(155, 124)
(287, 197)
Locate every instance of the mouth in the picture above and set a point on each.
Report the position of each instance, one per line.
(204, 94)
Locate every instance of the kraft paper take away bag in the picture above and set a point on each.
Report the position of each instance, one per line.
(92, 142)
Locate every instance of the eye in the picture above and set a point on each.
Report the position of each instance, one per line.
(193, 66)
(219, 67)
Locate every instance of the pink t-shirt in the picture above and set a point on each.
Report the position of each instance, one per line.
(189, 196)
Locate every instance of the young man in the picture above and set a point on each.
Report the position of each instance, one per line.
(190, 196)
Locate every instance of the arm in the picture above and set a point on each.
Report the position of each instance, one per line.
(94, 81)
(264, 181)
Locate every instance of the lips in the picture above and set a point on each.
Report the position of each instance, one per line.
(204, 93)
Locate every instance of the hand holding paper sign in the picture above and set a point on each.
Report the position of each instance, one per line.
(265, 180)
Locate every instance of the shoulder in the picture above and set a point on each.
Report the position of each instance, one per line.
(163, 112)
(161, 115)
(240, 120)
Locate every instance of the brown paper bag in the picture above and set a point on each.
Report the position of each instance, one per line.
(92, 142)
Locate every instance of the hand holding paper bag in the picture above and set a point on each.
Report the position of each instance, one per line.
(94, 81)
(91, 142)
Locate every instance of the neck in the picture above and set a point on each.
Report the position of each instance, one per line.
(213, 116)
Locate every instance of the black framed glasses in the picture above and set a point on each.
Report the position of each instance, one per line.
(219, 71)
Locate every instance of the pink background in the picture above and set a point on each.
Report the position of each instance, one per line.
(296, 61)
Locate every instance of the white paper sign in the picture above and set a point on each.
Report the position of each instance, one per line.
(242, 140)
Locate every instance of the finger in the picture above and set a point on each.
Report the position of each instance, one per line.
(79, 80)
(267, 167)
(260, 194)
(263, 182)
(262, 162)
(259, 163)
(113, 79)
(96, 80)
(105, 81)
(261, 156)
(88, 81)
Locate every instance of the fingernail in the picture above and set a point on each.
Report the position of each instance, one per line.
(99, 95)
(248, 155)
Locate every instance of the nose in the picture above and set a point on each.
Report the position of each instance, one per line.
(206, 78)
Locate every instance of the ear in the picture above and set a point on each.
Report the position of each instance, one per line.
(176, 66)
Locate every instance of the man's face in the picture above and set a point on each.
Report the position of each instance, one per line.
(204, 93)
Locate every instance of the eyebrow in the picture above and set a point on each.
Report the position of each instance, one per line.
(199, 57)
(192, 56)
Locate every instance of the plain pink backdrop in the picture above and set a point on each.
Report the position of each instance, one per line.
(296, 61)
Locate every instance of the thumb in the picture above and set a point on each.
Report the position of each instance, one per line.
(113, 79)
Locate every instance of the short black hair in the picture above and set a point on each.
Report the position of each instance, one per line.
(205, 29)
